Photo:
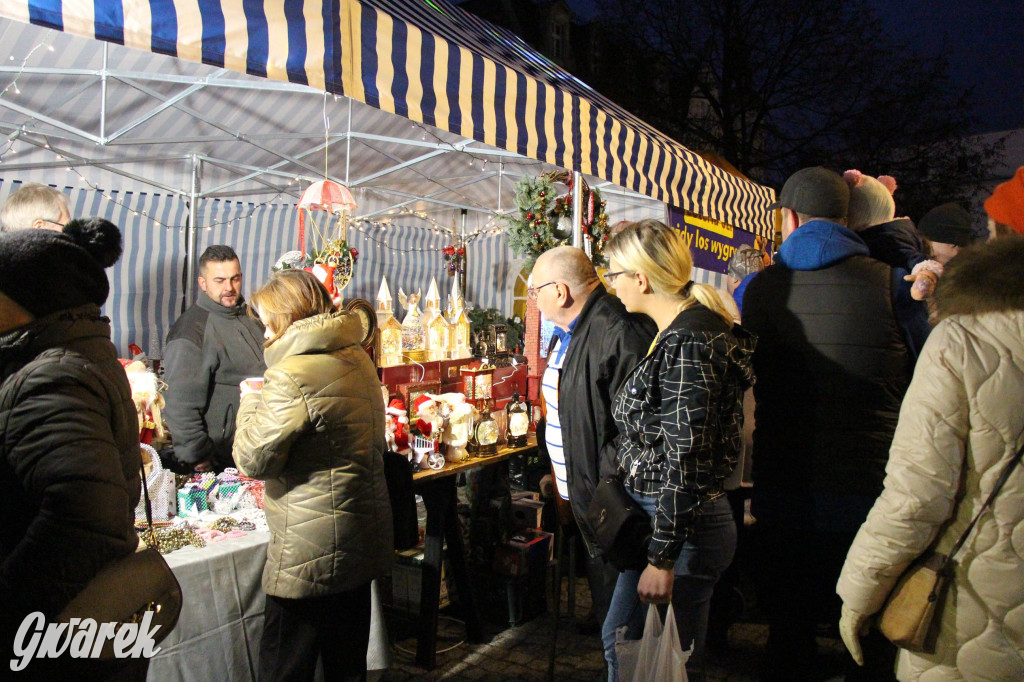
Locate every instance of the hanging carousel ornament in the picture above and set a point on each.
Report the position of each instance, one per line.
(330, 259)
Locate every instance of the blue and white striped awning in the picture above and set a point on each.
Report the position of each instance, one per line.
(430, 62)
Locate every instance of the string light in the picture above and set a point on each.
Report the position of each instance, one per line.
(136, 213)
(24, 62)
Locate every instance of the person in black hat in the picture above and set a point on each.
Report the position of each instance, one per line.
(948, 229)
(69, 434)
(832, 364)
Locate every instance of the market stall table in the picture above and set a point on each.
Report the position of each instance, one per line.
(221, 623)
(437, 487)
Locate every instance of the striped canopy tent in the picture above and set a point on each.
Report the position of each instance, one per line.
(416, 106)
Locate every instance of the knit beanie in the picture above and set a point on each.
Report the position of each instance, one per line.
(1006, 205)
(871, 200)
(44, 271)
(947, 224)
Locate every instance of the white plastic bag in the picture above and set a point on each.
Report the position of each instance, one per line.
(659, 656)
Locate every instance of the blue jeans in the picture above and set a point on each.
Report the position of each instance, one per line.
(703, 559)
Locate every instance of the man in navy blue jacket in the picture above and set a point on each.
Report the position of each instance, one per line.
(832, 364)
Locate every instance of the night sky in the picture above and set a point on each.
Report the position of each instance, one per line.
(982, 39)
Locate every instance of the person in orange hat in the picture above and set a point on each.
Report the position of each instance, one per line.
(1005, 208)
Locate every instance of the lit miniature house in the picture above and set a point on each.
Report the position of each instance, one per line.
(389, 329)
(414, 341)
(384, 303)
(435, 326)
(459, 342)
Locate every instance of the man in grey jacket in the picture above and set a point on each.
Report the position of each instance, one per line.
(211, 348)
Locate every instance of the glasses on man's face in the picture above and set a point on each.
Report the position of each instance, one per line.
(54, 222)
(610, 277)
(531, 292)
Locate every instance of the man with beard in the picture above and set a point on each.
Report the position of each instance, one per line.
(211, 348)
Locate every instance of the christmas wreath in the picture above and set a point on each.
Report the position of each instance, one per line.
(535, 228)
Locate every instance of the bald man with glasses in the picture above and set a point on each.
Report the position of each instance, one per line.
(596, 344)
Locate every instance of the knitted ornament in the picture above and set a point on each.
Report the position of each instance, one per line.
(1006, 205)
(871, 201)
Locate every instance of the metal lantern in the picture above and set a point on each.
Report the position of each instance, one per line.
(486, 432)
(518, 421)
(476, 384)
(499, 348)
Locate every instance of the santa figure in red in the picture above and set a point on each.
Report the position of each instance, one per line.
(397, 427)
(428, 422)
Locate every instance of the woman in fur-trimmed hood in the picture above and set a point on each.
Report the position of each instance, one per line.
(962, 421)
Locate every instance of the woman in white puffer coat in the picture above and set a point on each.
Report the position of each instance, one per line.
(961, 422)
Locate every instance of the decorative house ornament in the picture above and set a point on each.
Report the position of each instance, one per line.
(385, 307)
(413, 338)
(435, 326)
(460, 332)
(389, 330)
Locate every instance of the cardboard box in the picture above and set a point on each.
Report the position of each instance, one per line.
(407, 581)
(527, 513)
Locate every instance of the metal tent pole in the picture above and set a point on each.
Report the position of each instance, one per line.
(577, 209)
(192, 237)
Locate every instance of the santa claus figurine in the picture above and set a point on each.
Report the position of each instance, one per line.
(428, 422)
(396, 428)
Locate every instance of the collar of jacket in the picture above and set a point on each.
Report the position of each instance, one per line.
(318, 334)
(23, 343)
(700, 319)
(237, 310)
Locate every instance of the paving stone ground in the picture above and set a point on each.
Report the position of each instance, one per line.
(522, 652)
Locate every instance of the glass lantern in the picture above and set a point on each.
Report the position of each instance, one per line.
(499, 344)
(476, 384)
(518, 421)
(486, 432)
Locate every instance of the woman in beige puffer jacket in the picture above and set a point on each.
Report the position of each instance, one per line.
(961, 423)
(316, 435)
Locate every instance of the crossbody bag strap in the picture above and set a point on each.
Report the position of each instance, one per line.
(988, 502)
(149, 507)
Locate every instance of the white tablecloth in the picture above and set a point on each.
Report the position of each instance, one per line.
(218, 633)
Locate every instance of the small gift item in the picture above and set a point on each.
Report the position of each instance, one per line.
(160, 484)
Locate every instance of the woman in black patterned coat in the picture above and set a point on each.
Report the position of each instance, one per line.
(681, 416)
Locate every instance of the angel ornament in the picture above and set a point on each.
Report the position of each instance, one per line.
(413, 335)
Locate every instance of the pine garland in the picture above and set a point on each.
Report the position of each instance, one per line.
(536, 228)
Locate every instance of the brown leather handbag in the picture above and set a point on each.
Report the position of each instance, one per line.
(124, 590)
(908, 617)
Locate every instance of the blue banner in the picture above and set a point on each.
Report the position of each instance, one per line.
(712, 243)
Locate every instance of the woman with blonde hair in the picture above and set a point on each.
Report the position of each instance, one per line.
(681, 415)
(315, 433)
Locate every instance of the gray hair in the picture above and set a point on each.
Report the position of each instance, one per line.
(29, 203)
(745, 261)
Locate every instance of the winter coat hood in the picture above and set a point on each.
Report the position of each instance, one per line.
(818, 244)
